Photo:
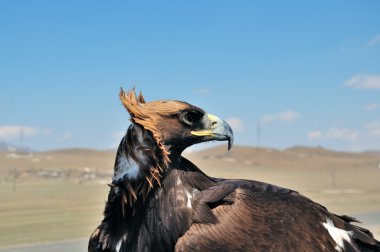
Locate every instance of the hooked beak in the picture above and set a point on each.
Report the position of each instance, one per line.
(215, 129)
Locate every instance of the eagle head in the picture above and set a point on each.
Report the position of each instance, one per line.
(175, 125)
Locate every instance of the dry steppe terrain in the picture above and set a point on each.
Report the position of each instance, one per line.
(59, 195)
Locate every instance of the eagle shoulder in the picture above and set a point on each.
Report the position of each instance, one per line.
(261, 216)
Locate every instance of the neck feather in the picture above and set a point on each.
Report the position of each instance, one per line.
(139, 164)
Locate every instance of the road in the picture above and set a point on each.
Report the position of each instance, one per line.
(66, 246)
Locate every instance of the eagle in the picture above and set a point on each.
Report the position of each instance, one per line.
(160, 201)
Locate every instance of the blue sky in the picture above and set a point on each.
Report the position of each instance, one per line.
(307, 71)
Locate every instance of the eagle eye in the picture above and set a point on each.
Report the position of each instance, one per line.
(191, 117)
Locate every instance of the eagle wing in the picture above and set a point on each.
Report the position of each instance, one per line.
(93, 244)
(254, 216)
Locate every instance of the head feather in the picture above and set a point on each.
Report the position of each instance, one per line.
(150, 114)
(132, 102)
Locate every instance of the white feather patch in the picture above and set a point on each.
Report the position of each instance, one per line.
(179, 181)
(339, 235)
(118, 245)
(195, 190)
(126, 166)
(189, 197)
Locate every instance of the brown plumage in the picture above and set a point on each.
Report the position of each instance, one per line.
(160, 201)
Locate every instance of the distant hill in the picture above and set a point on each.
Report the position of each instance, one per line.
(267, 164)
(4, 146)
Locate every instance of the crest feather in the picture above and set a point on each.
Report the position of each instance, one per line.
(147, 114)
(132, 102)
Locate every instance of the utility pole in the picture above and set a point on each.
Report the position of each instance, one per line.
(258, 134)
(16, 172)
(333, 179)
(21, 136)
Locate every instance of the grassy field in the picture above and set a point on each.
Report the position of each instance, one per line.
(46, 211)
(68, 206)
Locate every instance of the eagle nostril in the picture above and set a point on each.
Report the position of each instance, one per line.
(213, 124)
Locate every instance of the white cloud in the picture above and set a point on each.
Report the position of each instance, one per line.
(235, 123)
(288, 116)
(64, 137)
(285, 116)
(372, 106)
(15, 131)
(366, 138)
(341, 134)
(374, 41)
(314, 135)
(373, 129)
(364, 81)
(46, 132)
(266, 119)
